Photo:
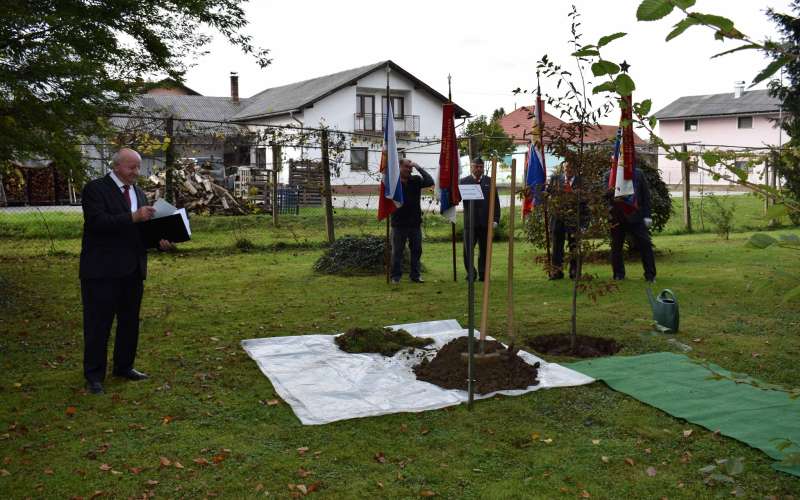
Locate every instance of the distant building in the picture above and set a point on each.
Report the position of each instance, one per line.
(740, 120)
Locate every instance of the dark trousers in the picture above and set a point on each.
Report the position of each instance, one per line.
(642, 239)
(104, 299)
(399, 237)
(478, 237)
(561, 233)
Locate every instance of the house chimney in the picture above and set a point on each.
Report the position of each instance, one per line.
(234, 87)
(738, 89)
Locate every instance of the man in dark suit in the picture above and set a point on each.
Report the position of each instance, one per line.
(631, 215)
(563, 188)
(113, 266)
(406, 221)
(481, 215)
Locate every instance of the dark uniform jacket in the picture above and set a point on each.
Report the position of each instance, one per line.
(111, 247)
(481, 206)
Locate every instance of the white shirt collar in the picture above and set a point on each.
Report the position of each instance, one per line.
(116, 180)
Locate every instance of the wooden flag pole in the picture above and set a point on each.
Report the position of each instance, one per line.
(511, 334)
(487, 273)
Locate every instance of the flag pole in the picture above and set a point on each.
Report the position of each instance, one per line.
(386, 241)
(452, 224)
(544, 165)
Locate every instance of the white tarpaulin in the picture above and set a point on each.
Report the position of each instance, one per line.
(324, 384)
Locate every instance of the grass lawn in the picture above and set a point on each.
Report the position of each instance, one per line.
(206, 423)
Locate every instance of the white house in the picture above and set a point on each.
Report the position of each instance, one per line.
(351, 101)
(742, 120)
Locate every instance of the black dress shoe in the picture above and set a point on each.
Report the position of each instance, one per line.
(618, 277)
(556, 276)
(94, 387)
(132, 374)
(418, 280)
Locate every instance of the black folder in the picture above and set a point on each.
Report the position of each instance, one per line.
(170, 228)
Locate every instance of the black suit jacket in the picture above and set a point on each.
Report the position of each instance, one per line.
(642, 191)
(111, 247)
(481, 206)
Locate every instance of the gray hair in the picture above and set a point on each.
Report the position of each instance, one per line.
(117, 157)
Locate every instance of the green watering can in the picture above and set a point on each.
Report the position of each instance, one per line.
(665, 310)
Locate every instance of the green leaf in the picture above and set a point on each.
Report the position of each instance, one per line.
(771, 69)
(604, 87)
(653, 122)
(653, 10)
(680, 27)
(603, 67)
(748, 46)
(735, 466)
(624, 84)
(710, 158)
(761, 240)
(722, 23)
(683, 4)
(585, 53)
(609, 38)
(707, 469)
(644, 107)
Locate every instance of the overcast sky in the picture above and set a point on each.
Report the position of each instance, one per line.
(489, 47)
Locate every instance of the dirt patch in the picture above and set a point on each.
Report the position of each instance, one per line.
(449, 368)
(585, 346)
(381, 340)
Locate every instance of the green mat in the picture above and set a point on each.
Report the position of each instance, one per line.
(673, 383)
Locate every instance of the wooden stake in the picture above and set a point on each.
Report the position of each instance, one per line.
(687, 214)
(488, 270)
(511, 215)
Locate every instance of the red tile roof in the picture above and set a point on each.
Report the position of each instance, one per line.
(517, 124)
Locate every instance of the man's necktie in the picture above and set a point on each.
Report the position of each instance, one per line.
(127, 189)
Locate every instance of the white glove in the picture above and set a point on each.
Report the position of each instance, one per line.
(494, 225)
(648, 221)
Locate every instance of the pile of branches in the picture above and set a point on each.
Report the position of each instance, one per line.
(196, 191)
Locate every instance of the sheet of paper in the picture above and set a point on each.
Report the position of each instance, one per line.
(470, 191)
(163, 208)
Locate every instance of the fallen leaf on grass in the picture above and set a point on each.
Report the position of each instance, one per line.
(165, 462)
(4, 472)
(697, 340)
(152, 482)
(177, 465)
(97, 494)
(380, 484)
(755, 354)
(314, 486)
(686, 457)
(259, 487)
(651, 471)
(273, 402)
(218, 458)
(535, 436)
(630, 461)
(547, 441)
(166, 420)
(380, 457)
(49, 472)
(595, 441)
(424, 431)
(200, 461)
(135, 470)
(585, 494)
(71, 410)
(687, 433)
(604, 459)
(427, 493)
(302, 450)
(105, 467)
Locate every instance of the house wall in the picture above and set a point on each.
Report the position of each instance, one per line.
(712, 133)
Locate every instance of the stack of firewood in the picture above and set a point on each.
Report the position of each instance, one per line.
(196, 191)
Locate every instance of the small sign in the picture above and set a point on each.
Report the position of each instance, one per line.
(470, 191)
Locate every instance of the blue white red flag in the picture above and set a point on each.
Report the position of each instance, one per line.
(623, 188)
(449, 195)
(537, 171)
(391, 197)
(622, 164)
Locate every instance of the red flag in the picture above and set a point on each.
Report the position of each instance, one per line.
(449, 195)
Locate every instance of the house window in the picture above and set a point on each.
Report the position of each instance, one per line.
(398, 106)
(261, 158)
(745, 122)
(743, 166)
(365, 110)
(690, 125)
(358, 159)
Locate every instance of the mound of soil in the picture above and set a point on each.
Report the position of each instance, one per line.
(449, 368)
(356, 256)
(381, 340)
(585, 346)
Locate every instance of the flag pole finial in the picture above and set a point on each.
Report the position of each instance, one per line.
(624, 66)
(449, 89)
(538, 88)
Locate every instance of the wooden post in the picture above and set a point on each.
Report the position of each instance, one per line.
(170, 162)
(276, 166)
(511, 215)
(326, 187)
(487, 273)
(687, 214)
(767, 182)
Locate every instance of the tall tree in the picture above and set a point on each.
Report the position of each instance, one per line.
(494, 138)
(65, 64)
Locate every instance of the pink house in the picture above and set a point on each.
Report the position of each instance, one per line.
(734, 121)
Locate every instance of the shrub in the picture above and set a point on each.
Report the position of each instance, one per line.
(721, 215)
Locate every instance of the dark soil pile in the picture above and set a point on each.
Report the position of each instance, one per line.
(449, 368)
(585, 346)
(381, 340)
(356, 256)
